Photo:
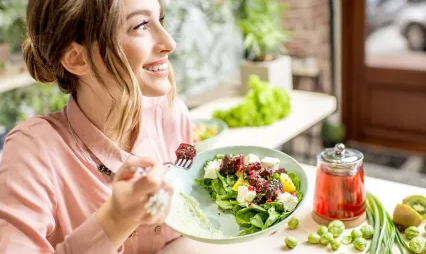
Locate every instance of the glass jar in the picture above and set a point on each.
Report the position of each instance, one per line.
(339, 188)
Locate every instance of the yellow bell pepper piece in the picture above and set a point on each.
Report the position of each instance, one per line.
(238, 183)
(288, 186)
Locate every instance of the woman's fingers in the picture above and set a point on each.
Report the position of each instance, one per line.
(128, 169)
(152, 181)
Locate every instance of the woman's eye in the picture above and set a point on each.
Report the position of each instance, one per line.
(143, 26)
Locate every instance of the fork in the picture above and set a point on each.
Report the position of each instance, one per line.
(181, 163)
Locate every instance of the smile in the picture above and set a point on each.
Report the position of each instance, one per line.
(157, 67)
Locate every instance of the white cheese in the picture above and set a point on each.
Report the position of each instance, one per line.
(289, 202)
(269, 162)
(211, 168)
(251, 158)
(245, 197)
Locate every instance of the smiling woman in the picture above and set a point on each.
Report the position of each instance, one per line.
(75, 185)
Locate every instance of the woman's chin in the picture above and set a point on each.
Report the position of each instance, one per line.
(156, 89)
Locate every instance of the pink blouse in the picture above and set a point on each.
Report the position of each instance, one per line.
(49, 189)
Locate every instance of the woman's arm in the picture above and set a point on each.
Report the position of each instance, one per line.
(28, 204)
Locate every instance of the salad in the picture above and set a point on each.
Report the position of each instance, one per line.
(258, 192)
(201, 132)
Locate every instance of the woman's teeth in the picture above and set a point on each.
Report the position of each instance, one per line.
(158, 67)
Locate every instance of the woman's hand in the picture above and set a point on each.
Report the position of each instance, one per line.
(125, 210)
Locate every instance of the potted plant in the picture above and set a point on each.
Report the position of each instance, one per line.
(332, 132)
(260, 23)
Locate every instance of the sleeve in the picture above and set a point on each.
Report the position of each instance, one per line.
(28, 204)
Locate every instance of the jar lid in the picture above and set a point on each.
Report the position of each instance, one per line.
(341, 155)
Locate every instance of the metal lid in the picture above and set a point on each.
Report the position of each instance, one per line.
(341, 155)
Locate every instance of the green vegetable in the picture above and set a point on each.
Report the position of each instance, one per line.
(367, 231)
(326, 238)
(291, 242)
(336, 227)
(293, 223)
(322, 230)
(263, 105)
(385, 232)
(411, 232)
(335, 244)
(277, 176)
(356, 233)
(314, 238)
(347, 239)
(360, 243)
(417, 245)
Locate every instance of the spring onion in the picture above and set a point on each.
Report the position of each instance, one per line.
(385, 231)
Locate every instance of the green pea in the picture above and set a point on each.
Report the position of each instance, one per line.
(293, 223)
(322, 230)
(314, 238)
(417, 245)
(367, 231)
(356, 233)
(411, 232)
(347, 239)
(336, 227)
(335, 244)
(326, 238)
(291, 242)
(360, 243)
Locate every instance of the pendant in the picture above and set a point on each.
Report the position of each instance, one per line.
(104, 170)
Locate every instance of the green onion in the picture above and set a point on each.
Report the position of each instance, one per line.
(385, 231)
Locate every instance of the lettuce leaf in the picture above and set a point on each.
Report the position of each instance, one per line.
(250, 230)
(273, 217)
(295, 179)
(263, 105)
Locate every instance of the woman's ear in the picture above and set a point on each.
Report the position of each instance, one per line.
(75, 60)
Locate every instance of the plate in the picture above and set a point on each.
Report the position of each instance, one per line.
(184, 181)
(207, 144)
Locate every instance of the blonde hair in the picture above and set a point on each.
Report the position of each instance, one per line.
(52, 25)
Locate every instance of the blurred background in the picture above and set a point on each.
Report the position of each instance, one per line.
(369, 54)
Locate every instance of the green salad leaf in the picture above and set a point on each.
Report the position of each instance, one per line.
(263, 105)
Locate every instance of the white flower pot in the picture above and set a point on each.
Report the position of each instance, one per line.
(277, 72)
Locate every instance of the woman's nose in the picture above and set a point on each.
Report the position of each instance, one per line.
(164, 42)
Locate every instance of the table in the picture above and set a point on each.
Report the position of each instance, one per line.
(389, 193)
(308, 108)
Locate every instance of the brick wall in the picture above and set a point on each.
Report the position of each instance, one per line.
(309, 23)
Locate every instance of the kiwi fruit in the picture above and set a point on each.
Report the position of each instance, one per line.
(418, 203)
(404, 216)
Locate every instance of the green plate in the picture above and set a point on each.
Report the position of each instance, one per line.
(184, 181)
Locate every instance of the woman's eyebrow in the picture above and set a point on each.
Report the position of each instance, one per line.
(139, 12)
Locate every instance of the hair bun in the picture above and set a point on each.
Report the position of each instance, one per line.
(37, 67)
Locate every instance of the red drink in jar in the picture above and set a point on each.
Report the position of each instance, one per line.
(339, 190)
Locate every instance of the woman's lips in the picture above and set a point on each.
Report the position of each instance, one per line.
(158, 68)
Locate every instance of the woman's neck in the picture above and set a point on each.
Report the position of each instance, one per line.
(96, 109)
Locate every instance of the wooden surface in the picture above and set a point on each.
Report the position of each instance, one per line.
(389, 193)
(308, 109)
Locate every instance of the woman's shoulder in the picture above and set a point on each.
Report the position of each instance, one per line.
(32, 138)
(35, 128)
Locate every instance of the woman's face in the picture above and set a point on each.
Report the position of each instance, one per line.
(147, 45)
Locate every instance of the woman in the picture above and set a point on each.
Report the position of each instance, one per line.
(71, 181)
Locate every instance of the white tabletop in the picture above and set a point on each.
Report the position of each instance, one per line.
(389, 193)
(308, 109)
